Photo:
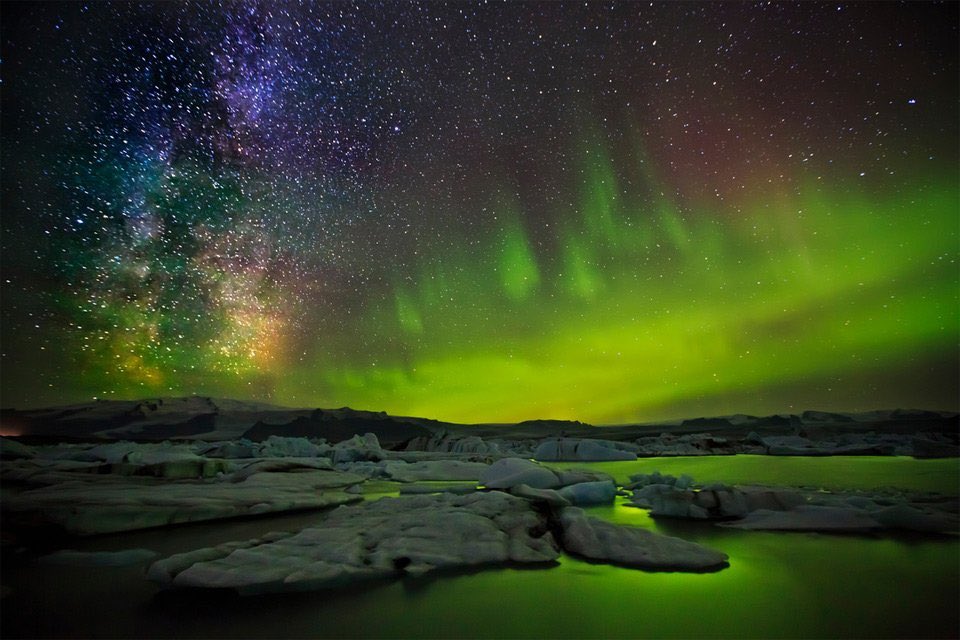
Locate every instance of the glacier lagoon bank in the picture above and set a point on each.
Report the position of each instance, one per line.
(777, 585)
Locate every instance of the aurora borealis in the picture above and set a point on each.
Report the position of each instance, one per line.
(609, 212)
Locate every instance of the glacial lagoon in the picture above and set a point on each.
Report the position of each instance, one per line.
(793, 585)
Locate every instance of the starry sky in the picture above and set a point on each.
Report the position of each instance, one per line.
(477, 211)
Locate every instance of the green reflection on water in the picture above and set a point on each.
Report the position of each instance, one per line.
(837, 472)
(777, 586)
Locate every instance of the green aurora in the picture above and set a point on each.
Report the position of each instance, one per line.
(627, 311)
(645, 315)
(519, 212)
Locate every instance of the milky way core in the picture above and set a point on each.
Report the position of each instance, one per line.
(609, 212)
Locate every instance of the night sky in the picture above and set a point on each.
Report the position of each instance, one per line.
(483, 211)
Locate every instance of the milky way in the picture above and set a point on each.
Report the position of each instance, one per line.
(482, 212)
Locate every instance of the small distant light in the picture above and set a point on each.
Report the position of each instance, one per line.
(863, 173)
(911, 101)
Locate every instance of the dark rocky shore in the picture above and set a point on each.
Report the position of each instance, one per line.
(891, 432)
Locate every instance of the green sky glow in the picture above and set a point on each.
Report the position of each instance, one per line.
(645, 313)
(483, 211)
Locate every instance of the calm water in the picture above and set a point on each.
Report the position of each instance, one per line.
(832, 472)
(778, 585)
